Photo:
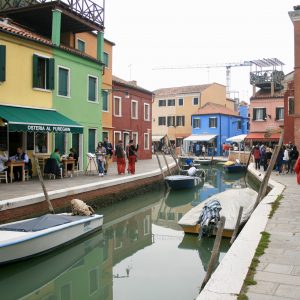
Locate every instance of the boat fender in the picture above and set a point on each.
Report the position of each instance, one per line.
(80, 208)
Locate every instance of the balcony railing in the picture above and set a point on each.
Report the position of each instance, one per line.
(85, 8)
(264, 78)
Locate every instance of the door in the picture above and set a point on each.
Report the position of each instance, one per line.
(126, 139)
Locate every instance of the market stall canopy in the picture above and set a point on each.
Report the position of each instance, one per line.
(37, 120)
(200, 137)
(157, 138)
(237, 139)
(263, 136)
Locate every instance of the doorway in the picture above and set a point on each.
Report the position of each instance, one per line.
(15, 141)
(125, 139)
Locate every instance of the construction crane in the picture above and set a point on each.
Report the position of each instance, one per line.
(228, 67)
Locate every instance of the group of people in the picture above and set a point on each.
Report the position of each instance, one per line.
(104, 153)
(199, 149)
(286, 160)
(17, 170)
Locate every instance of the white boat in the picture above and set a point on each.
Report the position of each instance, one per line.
(177, 182)
(24, 239)
(230, 201)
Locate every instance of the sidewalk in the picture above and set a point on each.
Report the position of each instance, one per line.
(278, 274)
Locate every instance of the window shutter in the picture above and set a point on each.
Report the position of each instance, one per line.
(254, 113)
(177, 120)
(2, 62)
(50, 74)
(35, 71)
(216, 122)
(183, 121)
(277, 113)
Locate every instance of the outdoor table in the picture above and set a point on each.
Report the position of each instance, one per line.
(16, 163)
(66, 162)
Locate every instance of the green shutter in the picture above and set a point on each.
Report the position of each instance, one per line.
(104, 100)
(264, 114)
(2, 62)
(50, 74)
(35, 83)
(63, 82)
(92, 140)
(92, 89)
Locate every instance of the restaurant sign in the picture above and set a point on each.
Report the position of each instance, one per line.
(45, 128)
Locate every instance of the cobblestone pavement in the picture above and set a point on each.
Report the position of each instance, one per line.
(278, 274)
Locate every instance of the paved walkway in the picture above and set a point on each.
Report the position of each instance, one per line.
(278, 274)
(31, 187)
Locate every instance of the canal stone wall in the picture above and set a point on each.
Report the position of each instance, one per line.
(227, 280)
(98, 194)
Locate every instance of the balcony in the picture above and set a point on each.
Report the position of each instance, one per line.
(77, 15)
(263, 79)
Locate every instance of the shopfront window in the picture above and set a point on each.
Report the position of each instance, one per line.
(41, 142)
(3, 138)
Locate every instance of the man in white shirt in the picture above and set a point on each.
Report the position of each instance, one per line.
(20, 156)
(192, 171)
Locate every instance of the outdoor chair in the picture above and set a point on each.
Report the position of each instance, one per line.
(52, 169)
(3, 176)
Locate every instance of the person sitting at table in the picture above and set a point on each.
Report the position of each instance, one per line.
(56, 155)
(73, 155)
(20, 156)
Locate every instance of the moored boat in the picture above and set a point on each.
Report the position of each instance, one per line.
(24, 239)
(230, 201)
(234, 167)
(177, 182)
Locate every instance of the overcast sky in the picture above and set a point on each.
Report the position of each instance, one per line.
(156, 33)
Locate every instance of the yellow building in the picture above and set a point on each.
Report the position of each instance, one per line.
(87, 42)
(173, 107)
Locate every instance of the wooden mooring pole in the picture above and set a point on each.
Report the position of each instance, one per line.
(164, 156)
(38, 169)
(237, 225)
(159, 163)
(214, 253)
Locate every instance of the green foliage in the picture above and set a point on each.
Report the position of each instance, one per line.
(275, 205)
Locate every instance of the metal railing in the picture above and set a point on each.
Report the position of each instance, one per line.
(85, 8)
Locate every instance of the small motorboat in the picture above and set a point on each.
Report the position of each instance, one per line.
(234, 167)
(24, 239)
(202, 162)
(177, 182)
(230, 201)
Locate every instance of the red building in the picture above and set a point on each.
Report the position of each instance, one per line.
(132, 115)
(289, 110)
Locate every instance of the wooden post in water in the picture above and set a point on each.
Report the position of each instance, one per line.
(166, 163)
(215, 252)
(162, 172)
(264, 184)
(237, 225)
(43, 185)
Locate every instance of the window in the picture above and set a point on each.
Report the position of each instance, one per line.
(161, 102)
(135, 138)
(171, 102)
(134, 109)
(239, 124)
(117, 106)
(146, 141)
(105, 101)
(279, 113)
(146, 112)
(60, 142)
(105, 135)
(92, 88)
(92, 140)
(179, 142)
(106, 59)
(63, 82)
(161, 121)
(196, 123)
(196, 101)
(180, 120)
(259, 114)
(291, 104)
(171, 121)
(2, 62)
(117, 137)
(213, 122)
(43, 73)
(180, 102)
(81, 45)
(41, 142)
(3, 138)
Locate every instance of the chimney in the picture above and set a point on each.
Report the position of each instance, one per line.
(133, 82)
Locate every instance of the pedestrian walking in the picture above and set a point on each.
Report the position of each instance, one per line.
(132, 155)
(121, 161)
(100, 153)
(256, 155)
(294, 154)
(109, 152)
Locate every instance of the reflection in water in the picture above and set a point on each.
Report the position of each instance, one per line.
(141, 253)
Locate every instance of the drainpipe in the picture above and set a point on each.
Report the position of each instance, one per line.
(56, 26)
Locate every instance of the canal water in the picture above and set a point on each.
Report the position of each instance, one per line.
(140, 254)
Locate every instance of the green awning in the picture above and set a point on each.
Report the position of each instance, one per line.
(37, 120)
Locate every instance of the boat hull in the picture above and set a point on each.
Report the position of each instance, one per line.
(179, 182)
(196, 229)
(24, 245)
(235, 168)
